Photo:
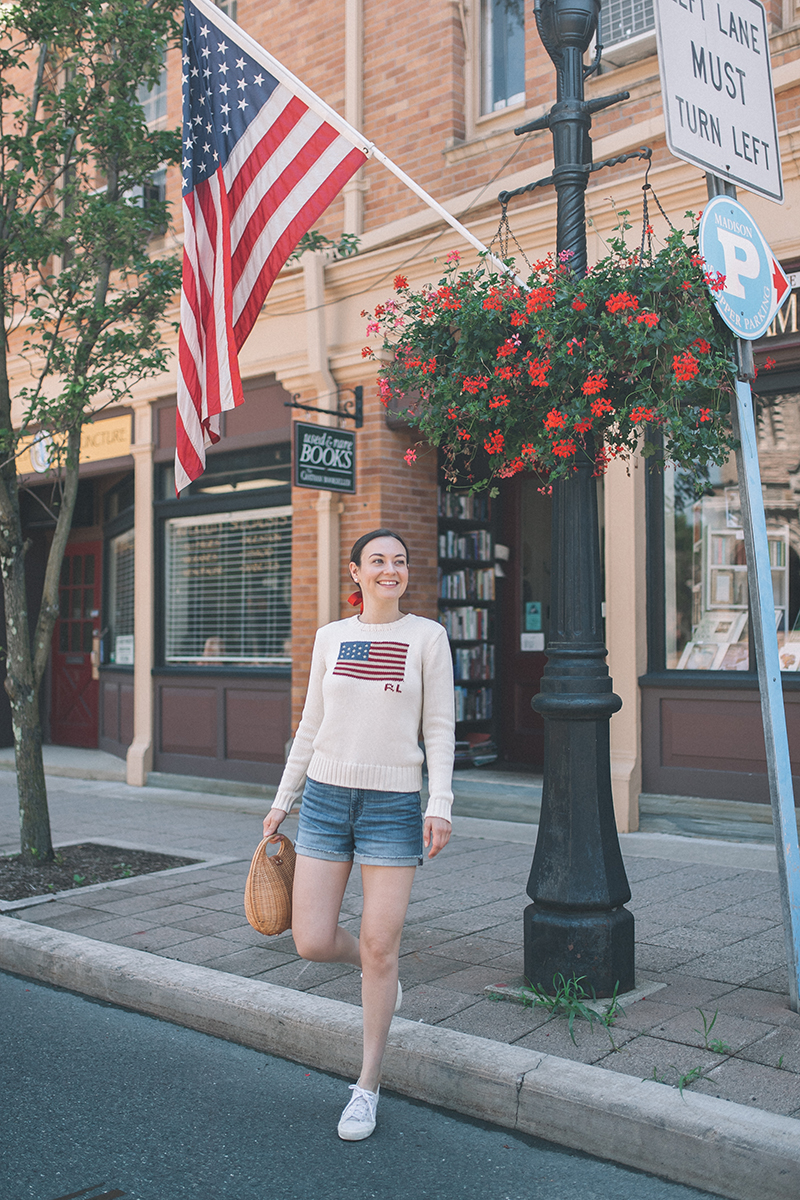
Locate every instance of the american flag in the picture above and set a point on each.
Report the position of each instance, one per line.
(263, 157)
(372, 660)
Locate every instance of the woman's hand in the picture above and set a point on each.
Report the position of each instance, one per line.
(271, 822)
(436, 834)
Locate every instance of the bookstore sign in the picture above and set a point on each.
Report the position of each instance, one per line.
(324, 458)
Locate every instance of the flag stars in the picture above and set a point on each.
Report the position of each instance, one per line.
(243, 105)
(226, 128)
(204, 31)
(207, 73)
(222, 47)
(223, 68)
(241, 85)
(223, 87)
(225, 109)
(206, 148)
(195, 72)
(205, 52)
(258, 80)
(240, 64)
(198, 120)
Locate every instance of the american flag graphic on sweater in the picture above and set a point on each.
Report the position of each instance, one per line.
(372, 660)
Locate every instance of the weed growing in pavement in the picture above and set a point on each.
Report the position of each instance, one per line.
(569, 999)
(716, 1045)
(683, 1080)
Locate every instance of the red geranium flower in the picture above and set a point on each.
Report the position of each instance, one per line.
(555, 420)
(564, 449)
(685, 365)
(495, 443)
(622, 301)
(400, 282)
(593, 384)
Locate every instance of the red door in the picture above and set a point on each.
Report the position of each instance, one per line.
(523, 610)
(75, 702)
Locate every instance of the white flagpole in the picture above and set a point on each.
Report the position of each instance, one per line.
(223, 22)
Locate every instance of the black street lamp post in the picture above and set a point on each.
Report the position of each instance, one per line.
(577, 924)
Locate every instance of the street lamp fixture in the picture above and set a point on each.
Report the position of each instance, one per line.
(577, 924)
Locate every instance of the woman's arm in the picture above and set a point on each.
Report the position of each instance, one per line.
(292, 780)
(438, 731)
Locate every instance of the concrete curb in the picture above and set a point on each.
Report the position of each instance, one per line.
(715, 1145)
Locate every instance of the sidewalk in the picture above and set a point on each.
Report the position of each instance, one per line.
(708, 925)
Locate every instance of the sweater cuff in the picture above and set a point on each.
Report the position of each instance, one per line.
(438, 806)
(284, 802)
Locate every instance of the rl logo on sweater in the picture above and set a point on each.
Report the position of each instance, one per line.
(378, 661)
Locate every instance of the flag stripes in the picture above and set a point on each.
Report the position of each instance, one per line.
(260, 165)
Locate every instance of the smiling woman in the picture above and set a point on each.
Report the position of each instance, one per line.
(376, 680)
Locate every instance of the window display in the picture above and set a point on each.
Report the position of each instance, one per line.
(707, 626)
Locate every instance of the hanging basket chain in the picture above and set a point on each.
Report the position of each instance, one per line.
(505, 235)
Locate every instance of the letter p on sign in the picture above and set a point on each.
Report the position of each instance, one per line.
(741, 259)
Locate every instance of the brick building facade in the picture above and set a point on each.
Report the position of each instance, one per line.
(439, 88)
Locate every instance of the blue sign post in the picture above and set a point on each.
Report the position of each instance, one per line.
(755, 287)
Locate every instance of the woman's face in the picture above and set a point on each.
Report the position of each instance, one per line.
(383, 570)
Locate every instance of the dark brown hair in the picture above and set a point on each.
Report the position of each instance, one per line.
(358, 548)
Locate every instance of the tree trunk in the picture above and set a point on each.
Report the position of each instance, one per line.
(20, 684)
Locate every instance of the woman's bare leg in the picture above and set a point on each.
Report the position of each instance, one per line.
(386, 895)
(316, 903)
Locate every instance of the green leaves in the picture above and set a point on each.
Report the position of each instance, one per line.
(83, 287)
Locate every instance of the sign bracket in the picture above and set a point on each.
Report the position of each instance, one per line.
(356, 404)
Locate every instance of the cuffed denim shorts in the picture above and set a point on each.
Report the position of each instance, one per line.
(381, 829)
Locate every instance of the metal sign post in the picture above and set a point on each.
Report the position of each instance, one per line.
(754, 289)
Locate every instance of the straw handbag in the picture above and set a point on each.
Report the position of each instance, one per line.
(268, 891)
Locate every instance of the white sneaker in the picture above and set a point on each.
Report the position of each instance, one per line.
(358, 1119)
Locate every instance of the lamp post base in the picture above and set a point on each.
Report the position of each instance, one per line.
(596, 947)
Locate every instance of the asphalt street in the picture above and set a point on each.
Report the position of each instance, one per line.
(102, 1102)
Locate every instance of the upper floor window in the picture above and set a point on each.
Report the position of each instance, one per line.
(154, 99)
(228, 7)
(502, 54)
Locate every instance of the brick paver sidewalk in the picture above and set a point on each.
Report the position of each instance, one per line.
(709, 932)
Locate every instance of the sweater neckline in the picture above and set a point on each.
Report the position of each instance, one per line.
(381, 628)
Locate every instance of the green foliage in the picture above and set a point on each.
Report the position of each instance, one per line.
(506, 379)
(78, 281)
(345, 247)
(714, 1044)
(569, 999)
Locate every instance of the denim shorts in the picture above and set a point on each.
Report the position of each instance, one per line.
(381, 829)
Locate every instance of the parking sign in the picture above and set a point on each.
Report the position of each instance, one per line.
(755, 284)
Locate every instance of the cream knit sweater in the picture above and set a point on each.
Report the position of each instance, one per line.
(371, 690)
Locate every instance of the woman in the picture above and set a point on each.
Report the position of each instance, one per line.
(376, 680)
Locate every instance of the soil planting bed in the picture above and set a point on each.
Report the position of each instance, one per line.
(78, 866)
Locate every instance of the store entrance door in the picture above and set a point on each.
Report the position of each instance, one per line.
(524, 613)
(75, 694)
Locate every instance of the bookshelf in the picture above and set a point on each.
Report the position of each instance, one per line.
(467, 611)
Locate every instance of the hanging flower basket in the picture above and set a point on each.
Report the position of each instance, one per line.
(505, 379)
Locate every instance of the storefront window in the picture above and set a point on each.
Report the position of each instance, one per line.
(120, 599)
(228, 588)
(706, 599)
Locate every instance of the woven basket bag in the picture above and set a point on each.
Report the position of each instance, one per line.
(268, 891)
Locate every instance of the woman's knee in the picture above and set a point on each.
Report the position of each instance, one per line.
(314, 944)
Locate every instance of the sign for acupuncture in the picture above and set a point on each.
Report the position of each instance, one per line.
(324, 458)
(716, 80)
